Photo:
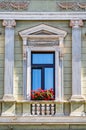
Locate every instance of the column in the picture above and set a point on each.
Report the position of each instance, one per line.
(77, 106)
(76, 59)
(9, 59)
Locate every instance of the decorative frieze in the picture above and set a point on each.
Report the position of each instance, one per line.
(82, 5)
(19, 5)
(14, 5)
(67, 5)
(72, 5)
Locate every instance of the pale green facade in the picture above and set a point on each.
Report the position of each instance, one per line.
(20, 105)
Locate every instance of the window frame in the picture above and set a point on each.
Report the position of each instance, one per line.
(42, 67)
(58, 70)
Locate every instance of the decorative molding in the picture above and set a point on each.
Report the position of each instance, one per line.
(24, 52)
(67, 5)
(42, 15)
(19, 5)
(9, 23)
(76, 23)
(30, 32)
(82, 5)
(14, 5)
(72, 5)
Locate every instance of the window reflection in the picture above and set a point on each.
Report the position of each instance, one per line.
(36, 79)
(42, 58)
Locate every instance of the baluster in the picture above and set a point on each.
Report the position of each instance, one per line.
(47, 109)
(52, 109)
(33, 109)
(38, 109)
(43, 109)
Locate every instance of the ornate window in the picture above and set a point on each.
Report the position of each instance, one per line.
(40, 42)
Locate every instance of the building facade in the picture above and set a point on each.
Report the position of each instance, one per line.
(42, 45)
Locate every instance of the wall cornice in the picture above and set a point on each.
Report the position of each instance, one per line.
(43, 15)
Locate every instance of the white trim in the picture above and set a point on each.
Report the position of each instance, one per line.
(43, 15)
(28, 32)
(57, 81)
(28, 90)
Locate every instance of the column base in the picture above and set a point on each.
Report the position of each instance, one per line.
(8, 98)
(77, 98)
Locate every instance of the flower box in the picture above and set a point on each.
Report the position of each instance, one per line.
(42, 94)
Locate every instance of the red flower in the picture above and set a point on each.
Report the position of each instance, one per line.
(42, 94)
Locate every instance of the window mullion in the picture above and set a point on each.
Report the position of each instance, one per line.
(42, 78)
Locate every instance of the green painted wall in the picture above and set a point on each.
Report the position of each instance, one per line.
(44, 127)
(84, 59)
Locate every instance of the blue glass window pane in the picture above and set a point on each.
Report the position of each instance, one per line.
(36, 79)
(49, 78)
(43, 58)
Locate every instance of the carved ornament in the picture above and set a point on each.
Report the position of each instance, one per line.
(72, 5)
(19, 5)
(76, 23)
(67, 5)
(24, 52)
(9, 23)
(14, 5)
(82, 5)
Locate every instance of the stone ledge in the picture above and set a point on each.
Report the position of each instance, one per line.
(42, 120)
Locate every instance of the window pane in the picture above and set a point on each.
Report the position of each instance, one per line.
(49, 78)
(42, 58)
(36, 79)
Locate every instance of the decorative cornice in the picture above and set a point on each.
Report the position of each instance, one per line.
(9, 23)
(14, 5)
(43, 15)
(76, 23)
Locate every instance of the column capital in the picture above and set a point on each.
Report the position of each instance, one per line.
(9, 23)
(76, 23)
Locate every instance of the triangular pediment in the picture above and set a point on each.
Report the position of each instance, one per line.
(42, 30)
